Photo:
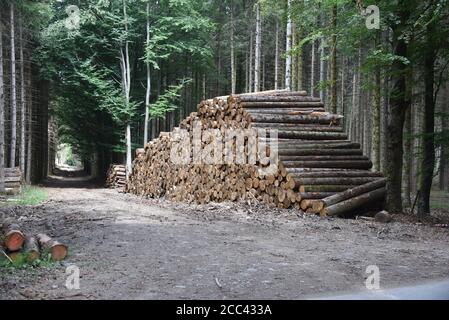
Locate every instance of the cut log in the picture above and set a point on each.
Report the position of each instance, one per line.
(324, 158)
(311, 135)
(31, 249)
(284, 111)
(366, 165)
(248, 105)
(13, 238)
(246, 99)
(332, 173)
(316, 195)
(275, 118)
(57, 250)
(354, 203)
(334, 181)
(290, 127)
(324, 188)
(351, 193)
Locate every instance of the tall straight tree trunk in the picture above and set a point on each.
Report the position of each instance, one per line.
(312, 70)
(376, 99)
(233, 66)
(444, 158)
(300, 66)
(322, 69)
(251, 61)
(12, 159)
(148, 92)
(30, 130)
(126, 83)
(334, 71)
(428, 157)
(288, 48)
(22, 102)
(258, 50)
(2, 116)
(406, 170)
(294, 61)
(399, 104)
(276, 58)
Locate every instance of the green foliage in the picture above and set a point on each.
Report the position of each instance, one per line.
(30, 196)
(23, 262)
(167, 101)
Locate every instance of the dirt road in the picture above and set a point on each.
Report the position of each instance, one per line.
(130, 248)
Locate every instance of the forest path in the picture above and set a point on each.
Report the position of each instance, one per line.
(130, 248)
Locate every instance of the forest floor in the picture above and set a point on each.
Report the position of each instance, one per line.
(131, 248)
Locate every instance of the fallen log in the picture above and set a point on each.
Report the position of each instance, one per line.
(315, 195)
(31, 249)
(324, 158)
(354, 192)
(13, 238)
(324, 188)
(278, 98)
(57, 250)
(366, 165)
(332, 173)
(285, 127)
(276, 118)
(285, 111)
(320, 152)
(311, 135)
(334, 181)
(354, 203)
(248, 105)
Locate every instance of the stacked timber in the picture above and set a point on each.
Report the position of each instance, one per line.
(13, 180)
(116, 176)
(16, 245)
(320, 171)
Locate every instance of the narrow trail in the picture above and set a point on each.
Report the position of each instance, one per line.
(131, 248)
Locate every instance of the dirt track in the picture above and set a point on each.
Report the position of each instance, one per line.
(130, 248)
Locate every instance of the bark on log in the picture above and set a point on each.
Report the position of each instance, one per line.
(366, 165)
(323, 158)
(275, 118)
(311, 135)
(334, 181)
(354, 203)
(13, 238)
(315, 195)
(246, 99)
(324, 188)
(351, 193)
(249, 105)
(31, 249)
(57, 250)
(320, 152)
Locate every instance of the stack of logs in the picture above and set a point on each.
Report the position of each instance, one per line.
(116, 176)
(13, 180)
(319, 169)
(16, 245)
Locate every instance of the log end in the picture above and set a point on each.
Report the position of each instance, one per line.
(59, 252)
(14, 240)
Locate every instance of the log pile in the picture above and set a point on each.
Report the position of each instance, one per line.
(16, 245)
(320, 171)
(13, 180)
(116, 176)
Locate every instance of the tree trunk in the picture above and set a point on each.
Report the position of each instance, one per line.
(233, 66)
(251, 60)
(12, 159)
(257, 58)
(444, 158)
(276, 58)
(406, 183)
(148, 92)
(30, 131)
(312, 70)
(22, 102)
(322, 68)
(334, 71)
(376, 98)
(288, 48)
(2, 116)
(396, 117)
(428, 155)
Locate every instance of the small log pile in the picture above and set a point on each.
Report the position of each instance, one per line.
(15, 245)
(13, 180)
(320, 171)
(116, 176)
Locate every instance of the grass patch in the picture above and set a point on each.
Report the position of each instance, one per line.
(30, 196)
(22, 261)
